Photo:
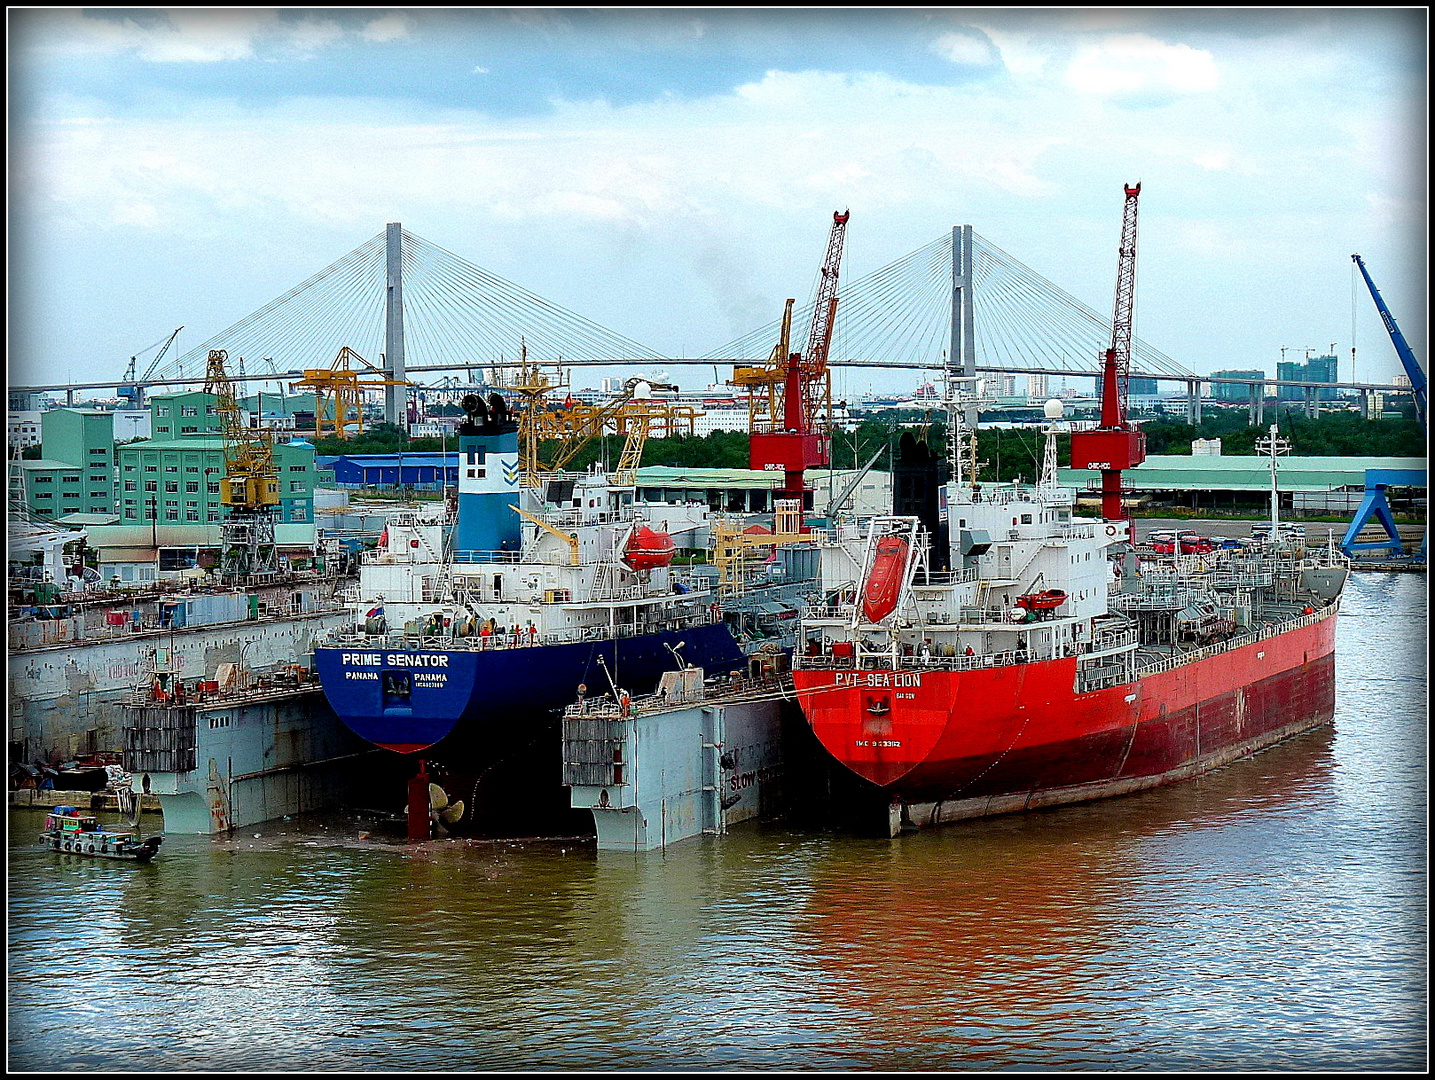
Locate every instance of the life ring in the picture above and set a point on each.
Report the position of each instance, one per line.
(1112, 530)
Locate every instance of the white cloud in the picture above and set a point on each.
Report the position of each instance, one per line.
(963, 49)
(1131, 63)
(390, 27)
(1017, 53)
(195, 36)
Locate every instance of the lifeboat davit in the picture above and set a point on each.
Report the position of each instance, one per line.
(649, 549)
(1046, 600)
(884, 580)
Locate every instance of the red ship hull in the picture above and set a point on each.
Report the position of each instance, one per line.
(1000, 739)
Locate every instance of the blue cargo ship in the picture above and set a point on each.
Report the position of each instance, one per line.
(518, 603)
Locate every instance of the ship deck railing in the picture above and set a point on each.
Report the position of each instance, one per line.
(1216, 648)
(468, 557)
(742, 688)
(507, 639)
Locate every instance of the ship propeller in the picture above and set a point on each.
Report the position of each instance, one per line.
(441, 811)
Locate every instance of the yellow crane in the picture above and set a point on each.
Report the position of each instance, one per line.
(633, 419)
(249, 488)
(339, 392)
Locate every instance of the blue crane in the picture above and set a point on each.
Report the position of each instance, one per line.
(1374, 505)
(132, 389)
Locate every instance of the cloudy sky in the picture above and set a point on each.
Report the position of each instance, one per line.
(672, 174)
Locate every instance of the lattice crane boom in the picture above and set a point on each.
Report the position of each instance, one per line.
(795, 440)
(1116, 444)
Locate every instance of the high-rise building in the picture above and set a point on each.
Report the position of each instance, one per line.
(1238, 390)
(1315, 369)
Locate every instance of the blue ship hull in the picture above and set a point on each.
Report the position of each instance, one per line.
(408, 700)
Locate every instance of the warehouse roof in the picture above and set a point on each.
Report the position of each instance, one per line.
(1178, 472)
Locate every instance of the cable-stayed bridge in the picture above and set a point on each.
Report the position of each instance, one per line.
(410, 306)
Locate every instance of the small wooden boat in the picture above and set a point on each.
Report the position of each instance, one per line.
(69, 830)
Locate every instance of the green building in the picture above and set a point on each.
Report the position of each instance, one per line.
(191, 413)
(76, 474)
(177, 479)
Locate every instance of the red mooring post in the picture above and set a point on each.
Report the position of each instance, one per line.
(420, 823)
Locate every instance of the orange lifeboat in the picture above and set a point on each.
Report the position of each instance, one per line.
(884, 581)
(1046, 600)
(648, 549)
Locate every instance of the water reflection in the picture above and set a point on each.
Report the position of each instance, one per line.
(1269, 915)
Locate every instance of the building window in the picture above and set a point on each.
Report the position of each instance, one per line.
(209, 410)
(296, 485)
(191, 485)
(171, 468)
(189, 430)
(189, 410)
(191, 515)
(98, 451)
(297, 468)
(151, 485)
(129, 468)
(130, 513)
(191, 468)
(131, 485)
(70, 479)
(151, 468)
(44, 494)
(163, 429)
(213, 488)
(171, 485)
(99, 494)
(213, 513)
(297, 513)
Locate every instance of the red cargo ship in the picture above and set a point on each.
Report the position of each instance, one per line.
(965, 698)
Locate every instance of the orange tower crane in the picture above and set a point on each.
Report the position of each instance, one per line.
(1117, 444)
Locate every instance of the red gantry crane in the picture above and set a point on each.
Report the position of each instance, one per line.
(799, 386)
(1117, 444)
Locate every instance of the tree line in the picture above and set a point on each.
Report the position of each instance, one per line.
(1005, 453)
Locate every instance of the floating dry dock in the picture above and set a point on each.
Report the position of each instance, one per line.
(695, 757)
(225, 760)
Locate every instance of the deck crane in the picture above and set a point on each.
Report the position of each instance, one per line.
(798, 386)
(131, 389)
(1374, 504)
(1116, 444)
(249, 488)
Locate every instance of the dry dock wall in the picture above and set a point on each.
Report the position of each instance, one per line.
(64, 699)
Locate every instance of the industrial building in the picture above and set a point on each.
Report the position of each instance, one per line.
(420, 471)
